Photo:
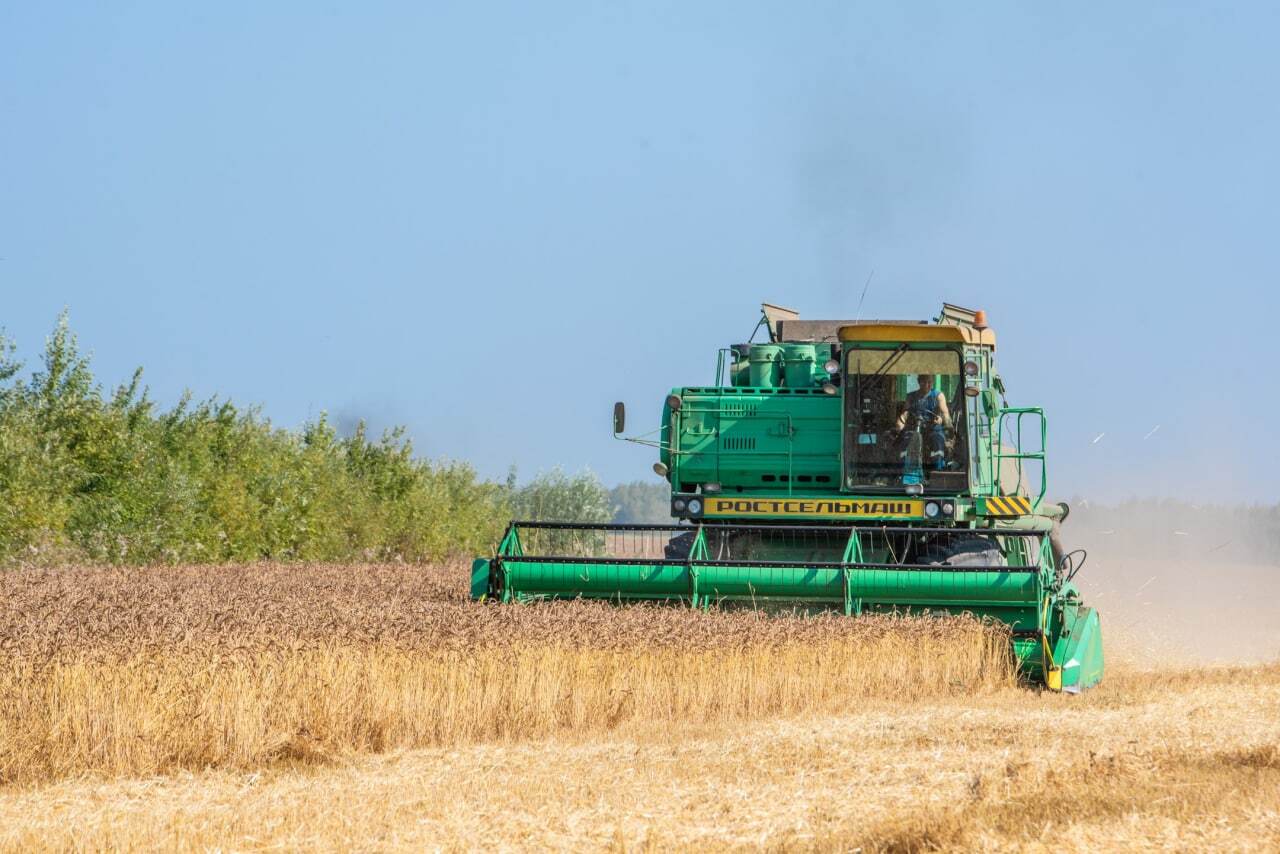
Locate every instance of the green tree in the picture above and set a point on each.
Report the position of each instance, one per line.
(86, 475)
(556, 496)
(641, 503)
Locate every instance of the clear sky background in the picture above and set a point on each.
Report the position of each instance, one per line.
(489, 221)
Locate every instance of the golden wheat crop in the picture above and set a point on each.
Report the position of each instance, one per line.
(129, 672)
(1185, 760)
(333, 707)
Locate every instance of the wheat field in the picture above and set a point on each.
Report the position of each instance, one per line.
(372, 707)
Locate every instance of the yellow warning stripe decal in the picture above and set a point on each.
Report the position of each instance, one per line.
(1007, 505)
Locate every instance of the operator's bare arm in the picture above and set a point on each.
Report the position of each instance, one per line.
(944, 413)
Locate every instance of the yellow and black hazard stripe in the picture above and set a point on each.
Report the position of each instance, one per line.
(1006, 505)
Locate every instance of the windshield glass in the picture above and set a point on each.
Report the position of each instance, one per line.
(904, 419)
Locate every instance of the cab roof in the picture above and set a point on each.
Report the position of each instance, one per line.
(893, 331)
(953, 324)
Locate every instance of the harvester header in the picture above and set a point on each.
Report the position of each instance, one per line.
(863, 465)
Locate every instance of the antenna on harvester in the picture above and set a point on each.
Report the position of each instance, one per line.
(870, 276)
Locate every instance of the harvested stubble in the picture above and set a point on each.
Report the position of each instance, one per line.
(129, 672)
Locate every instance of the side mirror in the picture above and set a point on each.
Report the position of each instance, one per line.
(619, 417)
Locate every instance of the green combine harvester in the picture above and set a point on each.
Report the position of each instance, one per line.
(866, 466)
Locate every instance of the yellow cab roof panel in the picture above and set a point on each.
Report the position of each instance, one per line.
(941, 333)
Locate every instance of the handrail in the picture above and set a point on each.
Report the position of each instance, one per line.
(995, 456)
(719, 381)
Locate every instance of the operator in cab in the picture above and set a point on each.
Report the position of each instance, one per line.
(927, 407)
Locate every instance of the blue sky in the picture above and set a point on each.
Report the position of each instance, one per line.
(489, 221)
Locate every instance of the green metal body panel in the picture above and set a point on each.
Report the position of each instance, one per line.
(1078, 650)
(974, 592)
(759, 441)
(479, 578)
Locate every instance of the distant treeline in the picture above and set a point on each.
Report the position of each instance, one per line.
(110, 477)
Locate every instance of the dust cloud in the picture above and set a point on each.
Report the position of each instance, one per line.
(1181, 583)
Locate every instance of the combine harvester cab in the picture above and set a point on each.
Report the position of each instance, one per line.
(862, 466)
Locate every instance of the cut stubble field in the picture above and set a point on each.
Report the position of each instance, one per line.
(272, 706)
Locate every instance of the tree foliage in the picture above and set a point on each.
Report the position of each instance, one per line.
(556, 496)
(641, 502)
(107, 476)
